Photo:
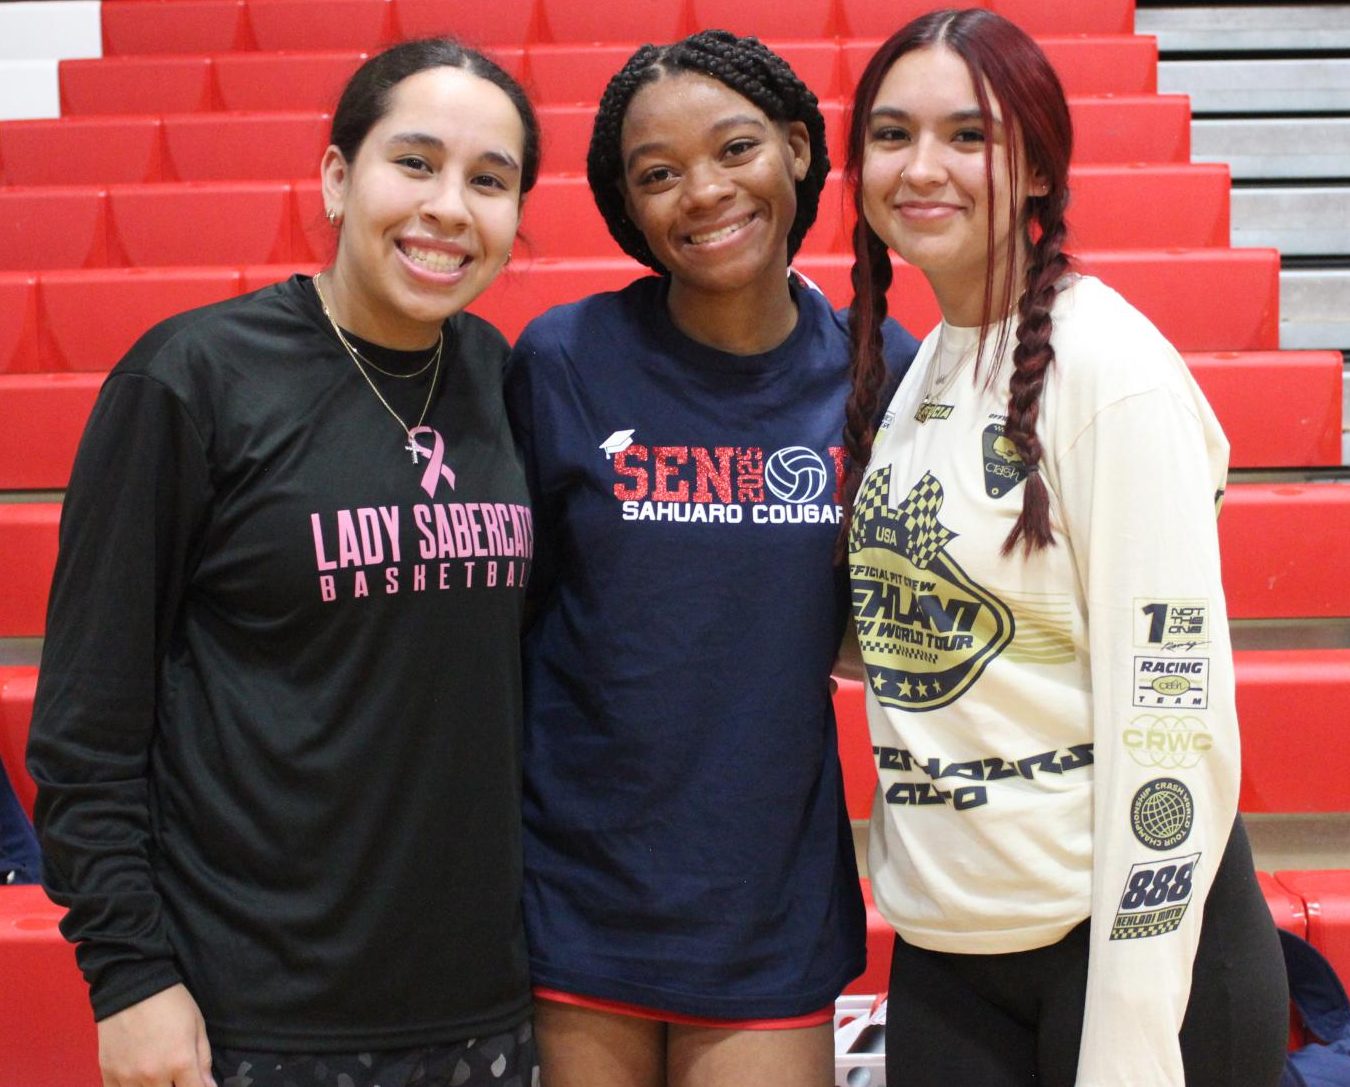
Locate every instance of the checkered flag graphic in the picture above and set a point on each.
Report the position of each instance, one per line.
(870, 502)
(918, 514)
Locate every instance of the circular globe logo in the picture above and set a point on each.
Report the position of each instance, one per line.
(795, 474)
(1161, 813)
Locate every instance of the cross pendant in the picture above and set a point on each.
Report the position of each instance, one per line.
(411, 447)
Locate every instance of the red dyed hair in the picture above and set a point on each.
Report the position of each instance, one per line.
(1005, 64)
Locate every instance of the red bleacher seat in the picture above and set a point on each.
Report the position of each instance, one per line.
(1175, 289)
(28, 555)
(321, 24)
(1157, 205)
(152, 84)
(801, 19)
(41, 419)
(578, 74)
(1282, 546)
(53, 227)
(174, 26)
(1302, 769)
(234, 222)
(1295, 419)
(490, 25)
(565, 136)
(1066, 16)
(1119, 64)
(816, 64)
(572, 74)
(47, 1035)
(245, 146)
(635, 21)
(560, 220)
(1131, 128)
(868, 19)
(1286, 908)
(1326, 894)
(1116, 64)
(80, 151)
(90, 319)
(283, 81)
(17, 687)
(18, 323)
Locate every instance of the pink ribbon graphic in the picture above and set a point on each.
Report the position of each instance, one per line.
(436, 469)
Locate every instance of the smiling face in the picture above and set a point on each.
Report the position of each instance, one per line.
(429, 207)
(710, 180)
(925, 188)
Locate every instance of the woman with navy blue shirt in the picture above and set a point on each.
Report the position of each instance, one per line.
(692, 901)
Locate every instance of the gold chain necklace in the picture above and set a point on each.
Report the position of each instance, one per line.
(936, 383)
(411, 447)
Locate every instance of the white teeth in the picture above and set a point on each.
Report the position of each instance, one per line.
(718, 235)
(433, 260)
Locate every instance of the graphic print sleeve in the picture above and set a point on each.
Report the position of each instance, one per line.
(136, 499)
(1138, 487)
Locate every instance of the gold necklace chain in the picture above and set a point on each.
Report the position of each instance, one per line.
(356, 361)
(392, 373)
(936, 383)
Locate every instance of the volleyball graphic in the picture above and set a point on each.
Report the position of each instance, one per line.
(795, 474)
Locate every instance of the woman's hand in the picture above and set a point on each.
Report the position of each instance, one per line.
(159, 1042)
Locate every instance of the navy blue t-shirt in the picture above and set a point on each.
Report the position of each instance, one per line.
(687, 847)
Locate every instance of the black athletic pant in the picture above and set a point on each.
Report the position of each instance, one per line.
(1015, 1020)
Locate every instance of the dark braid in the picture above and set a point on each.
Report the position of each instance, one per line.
(746, 66)
(871, 276)
(1032, 357)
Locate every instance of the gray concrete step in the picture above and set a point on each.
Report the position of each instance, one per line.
(1315, 308)
(1304, 85)
(1294, 147)
(1246, 28)
(1298, 221)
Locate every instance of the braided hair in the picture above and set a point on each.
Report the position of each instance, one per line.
(746, 66)
(1004, 64)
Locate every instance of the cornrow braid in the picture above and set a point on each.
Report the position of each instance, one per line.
(1032, 357)
(750, 69)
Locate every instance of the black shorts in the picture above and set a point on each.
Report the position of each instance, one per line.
(500, 1060)
(1016, 1020)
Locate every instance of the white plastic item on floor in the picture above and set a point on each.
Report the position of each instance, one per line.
(860, 1041)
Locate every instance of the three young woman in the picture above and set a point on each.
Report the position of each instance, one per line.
(276, 735)
(1037, 596)
(691, 899)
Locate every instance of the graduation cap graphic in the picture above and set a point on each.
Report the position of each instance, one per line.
(617, 443)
